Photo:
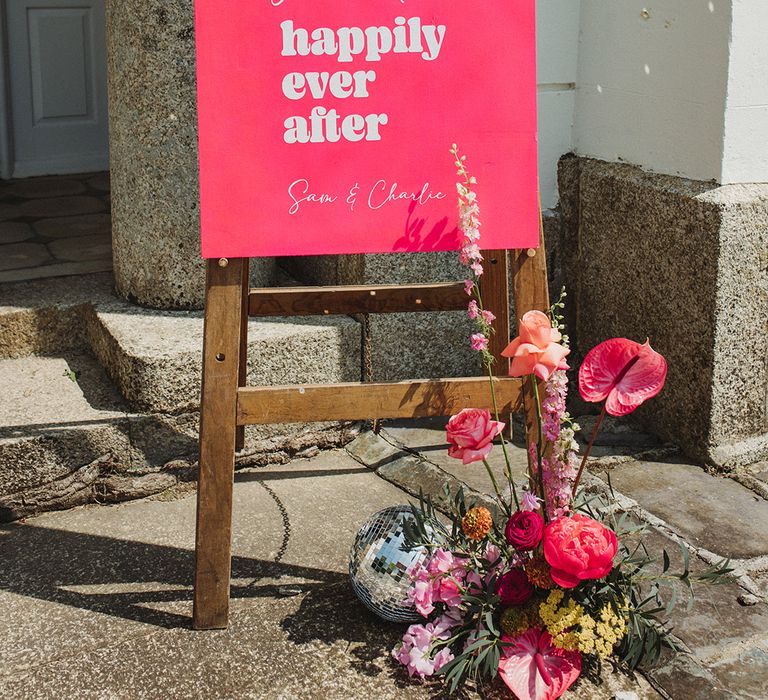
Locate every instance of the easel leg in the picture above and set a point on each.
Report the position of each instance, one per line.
(495, 289)
(218, 427)
(531, 292)
(243, 368)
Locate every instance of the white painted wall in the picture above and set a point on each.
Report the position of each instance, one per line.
(557, 47)
(676, 86)
(745, 149)
(651, 84)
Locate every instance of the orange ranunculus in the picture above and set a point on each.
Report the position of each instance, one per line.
(578, 548)
(537, 348)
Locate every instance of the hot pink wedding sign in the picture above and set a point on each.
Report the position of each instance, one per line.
(325, 126)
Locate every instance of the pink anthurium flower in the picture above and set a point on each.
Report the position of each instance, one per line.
(623, 373)
(535, 669)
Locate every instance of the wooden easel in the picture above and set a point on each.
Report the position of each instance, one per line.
(228, 405)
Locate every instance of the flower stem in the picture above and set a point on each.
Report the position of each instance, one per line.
(540, 445)
(493, 481)
(587, 451)
(508, 468)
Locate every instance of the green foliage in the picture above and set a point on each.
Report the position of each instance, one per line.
(646, 588)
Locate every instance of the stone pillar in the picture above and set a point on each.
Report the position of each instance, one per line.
(683, 263)
(153, 155)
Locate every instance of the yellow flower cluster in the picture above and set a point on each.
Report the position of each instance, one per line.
(610, 630)
(573, 628)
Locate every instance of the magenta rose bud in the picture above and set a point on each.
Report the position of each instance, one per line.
(514, 588)
(524, 530)
(471, 433)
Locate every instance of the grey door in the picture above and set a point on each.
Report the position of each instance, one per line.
(58, 92)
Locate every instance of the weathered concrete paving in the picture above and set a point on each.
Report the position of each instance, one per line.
(96, 601)
(725, 635)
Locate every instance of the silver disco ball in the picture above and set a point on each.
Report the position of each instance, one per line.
(379, 568)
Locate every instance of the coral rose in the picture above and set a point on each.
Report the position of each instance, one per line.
(514, 588)
(471, 433)
(524, 530)
(536, 350)
(578, 548)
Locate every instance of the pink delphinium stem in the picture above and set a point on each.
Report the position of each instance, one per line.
(471, 256)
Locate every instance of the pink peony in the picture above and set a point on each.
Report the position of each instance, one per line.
(578, 548)
(533, 668)
(524, 530)
(623, 372)
(536, 350)
(514, 588)
(470, 434)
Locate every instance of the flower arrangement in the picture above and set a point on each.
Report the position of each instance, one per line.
(553, 581)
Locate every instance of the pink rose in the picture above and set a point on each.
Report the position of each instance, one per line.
(471, 433)
(578, 548)
(514, 588)
(536, 350)
(524, 530)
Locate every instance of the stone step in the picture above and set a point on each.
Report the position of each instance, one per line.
(155, 357)
(87, 378)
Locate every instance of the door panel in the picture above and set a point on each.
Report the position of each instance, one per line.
(57, 66)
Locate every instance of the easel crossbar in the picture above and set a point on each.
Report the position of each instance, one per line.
(355, 401)
(347, 300)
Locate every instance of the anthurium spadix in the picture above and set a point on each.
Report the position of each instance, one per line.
(622, 373)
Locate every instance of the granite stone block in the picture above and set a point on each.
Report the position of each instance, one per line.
(684, 263)
(153, 151)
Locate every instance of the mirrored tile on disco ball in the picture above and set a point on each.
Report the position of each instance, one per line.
(381, 564)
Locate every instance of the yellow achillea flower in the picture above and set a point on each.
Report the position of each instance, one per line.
(574, 629)
(477, 523)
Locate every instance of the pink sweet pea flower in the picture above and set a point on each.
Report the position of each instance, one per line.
(533, 668)
(421, 594)
(446, 571)
(536, 350)
(470, 434)
(624, 372)
(415, 650)
(479, 342)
